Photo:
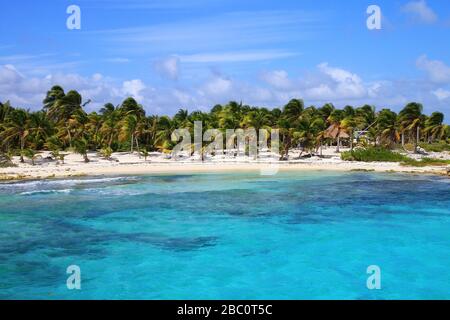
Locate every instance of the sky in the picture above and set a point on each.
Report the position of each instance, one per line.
(194, 54)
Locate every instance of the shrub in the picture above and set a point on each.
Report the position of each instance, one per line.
(30, 154)
(145, 154)
(6, 161)
(106, 153)
(425, 162)
(348, 156)
(373, 154)
(435, 147)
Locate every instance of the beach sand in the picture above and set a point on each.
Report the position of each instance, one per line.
(130, 164)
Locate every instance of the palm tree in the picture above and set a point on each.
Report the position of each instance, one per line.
(293, 110)
(348, 124)
(150, 131)
(335, 120)
(62, 109)
(40, 128)
(163, 139)
(129, 130)
(54, 144)
(257, 119)
(16, 127)
(287, 136)
(326, 111)
(110, 127)
(228, 119)
(56, 93)
(130, 107)
(410, 119)
(5, 109)
(434, 127)
(107, 109)
(181, 119)
(81, 147)
(305, 133)
(78, 124)
(63, 121)
(387, 127)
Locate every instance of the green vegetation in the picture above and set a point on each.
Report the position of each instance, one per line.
(435, 147)
(380, 154)
(63, 124)
(106, 153)
(5, 160)
(145, 154)
(30, 154)
(425, 162)
(373, 154)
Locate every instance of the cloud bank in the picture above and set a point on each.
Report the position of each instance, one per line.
(325, 83)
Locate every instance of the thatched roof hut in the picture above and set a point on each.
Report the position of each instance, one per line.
(334, 132)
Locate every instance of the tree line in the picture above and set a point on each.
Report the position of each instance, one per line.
(63, 124)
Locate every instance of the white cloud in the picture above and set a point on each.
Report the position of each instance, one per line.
(420, 11)
(327, 83)
(437, 70)
(168, 67)
(9, 74)
(277, 78)
(218, 86)
(321, 92)
(133, 88)
(323, 84)
(97, 76)
(441, 94)
(183, 98)
(343, 84)
(28, 91)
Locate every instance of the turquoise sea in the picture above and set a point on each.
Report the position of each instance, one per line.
(227, 236)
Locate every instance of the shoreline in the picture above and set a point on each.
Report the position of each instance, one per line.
(67, 171)
(125, 163)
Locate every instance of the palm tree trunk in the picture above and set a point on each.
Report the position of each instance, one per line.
(132, 142)
(70, 136)
(338, 144)
(351, 140)
(22, 147)
(110, 140)
(137, 144)
(416, 144)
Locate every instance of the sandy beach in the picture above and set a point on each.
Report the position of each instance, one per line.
(157, 163)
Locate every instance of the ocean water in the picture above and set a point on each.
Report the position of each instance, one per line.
(227, 236)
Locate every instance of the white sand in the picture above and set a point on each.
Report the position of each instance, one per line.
(157, 163)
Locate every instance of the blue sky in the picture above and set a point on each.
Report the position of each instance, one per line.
(197, 53)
